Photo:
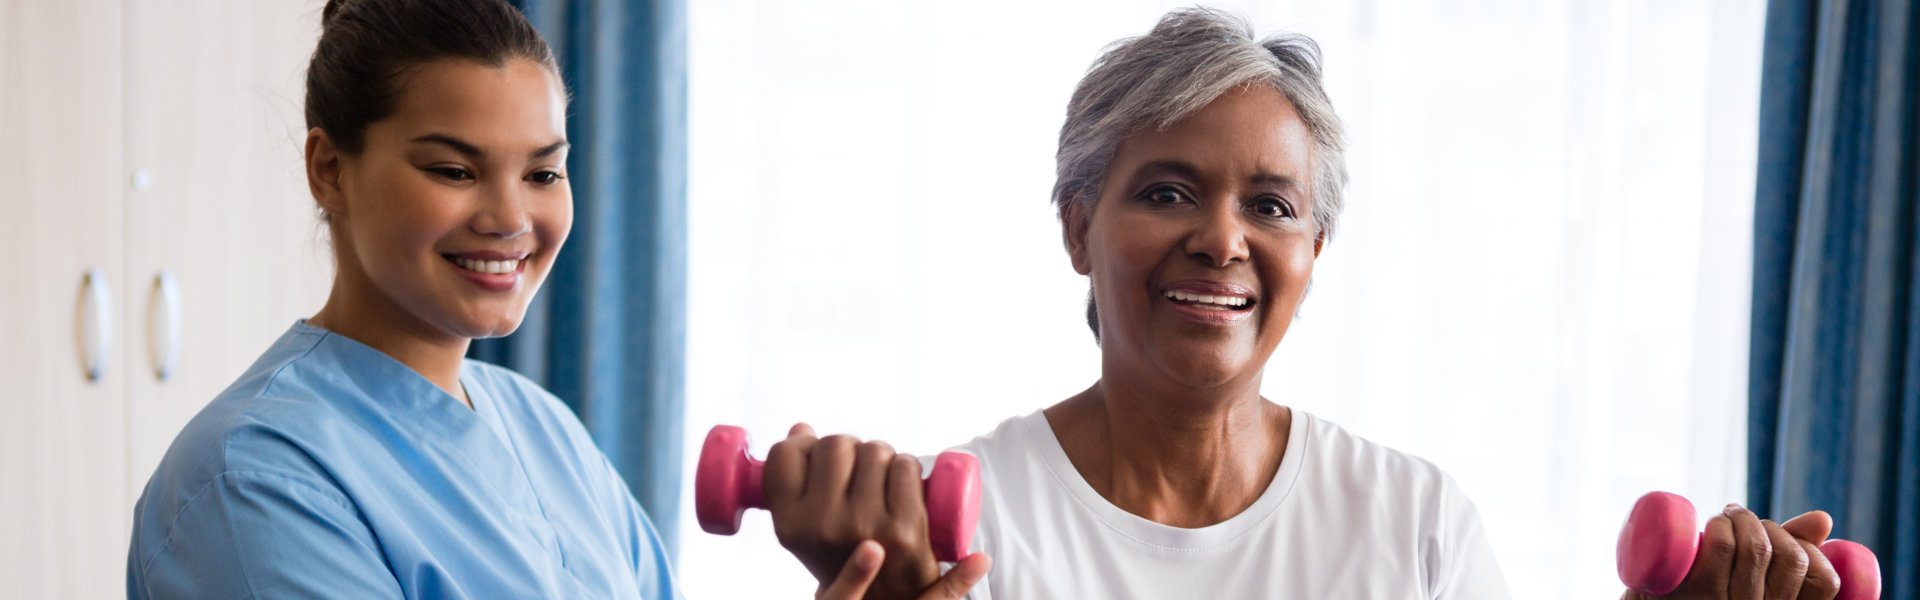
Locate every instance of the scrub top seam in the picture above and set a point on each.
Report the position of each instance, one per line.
(337, 499)
(512, 443)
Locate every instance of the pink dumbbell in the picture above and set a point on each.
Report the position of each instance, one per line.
(1659, 540)
(727, 483)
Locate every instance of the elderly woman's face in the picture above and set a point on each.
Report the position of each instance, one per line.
(1202, 241)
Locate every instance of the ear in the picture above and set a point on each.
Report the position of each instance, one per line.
(323, 173)
(1319, 241)
(1075, 219)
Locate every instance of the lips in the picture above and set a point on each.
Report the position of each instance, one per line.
(489, 270)
(1211, 302)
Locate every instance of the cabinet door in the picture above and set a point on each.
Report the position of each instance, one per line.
(215, 127)
(63, 521)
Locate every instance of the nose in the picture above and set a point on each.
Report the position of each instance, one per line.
(503, 213)
(1219, 237)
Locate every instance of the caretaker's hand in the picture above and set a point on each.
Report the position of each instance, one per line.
(865, 563)
(1744, 557)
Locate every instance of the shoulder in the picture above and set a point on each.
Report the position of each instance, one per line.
(267, 433)
(1332, 451)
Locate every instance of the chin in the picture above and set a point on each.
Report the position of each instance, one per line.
(1206, 372)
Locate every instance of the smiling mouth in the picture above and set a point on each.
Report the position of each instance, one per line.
(1210, 302)
(490, 267)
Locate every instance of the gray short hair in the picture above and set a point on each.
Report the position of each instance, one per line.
(1192, 57)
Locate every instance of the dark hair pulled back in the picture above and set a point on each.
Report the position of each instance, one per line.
(367, 48)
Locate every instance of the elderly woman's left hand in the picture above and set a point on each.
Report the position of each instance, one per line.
(828, 495)
(1744, 557)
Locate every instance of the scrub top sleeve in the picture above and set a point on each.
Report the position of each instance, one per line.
(263, 535)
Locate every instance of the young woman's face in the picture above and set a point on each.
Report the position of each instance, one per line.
(1202, 241)
(454, 211)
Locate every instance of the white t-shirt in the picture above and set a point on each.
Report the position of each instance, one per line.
(1344, 519)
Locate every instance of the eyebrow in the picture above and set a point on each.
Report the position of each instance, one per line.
(474, 152)
(1189, 171)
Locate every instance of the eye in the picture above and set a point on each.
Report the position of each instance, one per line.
(545, 178)
(1165, 195)
(1272, 207)
(451, 173)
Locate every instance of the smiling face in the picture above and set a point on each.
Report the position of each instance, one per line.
(1202, 241)
(449, 219)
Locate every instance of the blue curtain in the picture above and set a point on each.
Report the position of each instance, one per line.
(1834, 415)
(608, 332)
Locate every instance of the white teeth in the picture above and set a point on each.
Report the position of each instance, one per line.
(1233, 301)
(493, 267)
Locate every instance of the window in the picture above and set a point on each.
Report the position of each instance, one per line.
(1540, 283)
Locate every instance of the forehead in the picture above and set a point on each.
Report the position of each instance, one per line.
(518, 103)
(1251, 130)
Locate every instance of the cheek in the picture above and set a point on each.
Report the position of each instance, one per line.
(1288, 269)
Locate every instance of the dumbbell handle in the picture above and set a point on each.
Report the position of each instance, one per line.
(1658, 543)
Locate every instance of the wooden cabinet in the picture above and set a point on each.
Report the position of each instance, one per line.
(137, 137)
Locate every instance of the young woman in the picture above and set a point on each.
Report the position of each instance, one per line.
(361, 456)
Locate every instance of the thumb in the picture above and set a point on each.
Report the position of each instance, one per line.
(1813, 527)
(958, 580)
(858, 573)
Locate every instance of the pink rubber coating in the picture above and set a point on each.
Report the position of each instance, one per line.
(727, 481)
(953, 504)
(1859, 570)
(1657, 544)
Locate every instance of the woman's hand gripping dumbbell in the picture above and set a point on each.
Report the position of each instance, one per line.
(1659, 546)
(829, 494)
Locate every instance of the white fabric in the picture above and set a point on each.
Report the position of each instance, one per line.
(1344, 518)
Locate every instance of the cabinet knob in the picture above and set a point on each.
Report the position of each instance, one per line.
(164, 325)
(94, 325)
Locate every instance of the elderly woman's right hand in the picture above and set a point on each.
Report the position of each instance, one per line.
(1744, 557)
(832, 497)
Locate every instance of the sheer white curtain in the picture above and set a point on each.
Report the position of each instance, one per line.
(1540, 284)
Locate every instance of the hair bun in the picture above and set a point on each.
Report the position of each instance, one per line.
(326, 14)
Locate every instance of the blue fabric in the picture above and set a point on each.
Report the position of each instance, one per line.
(1834, 416)
(607, 334)
(329, 470)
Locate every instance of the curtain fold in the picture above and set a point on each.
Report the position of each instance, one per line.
(608, 333)
(1834, 377)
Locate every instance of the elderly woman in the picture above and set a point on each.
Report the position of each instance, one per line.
(1200, 175)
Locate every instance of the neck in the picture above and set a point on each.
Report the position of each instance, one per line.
(1187, 459)
(355, 311)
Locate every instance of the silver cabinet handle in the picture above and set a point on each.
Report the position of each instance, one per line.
(164, 326)
(94, 326)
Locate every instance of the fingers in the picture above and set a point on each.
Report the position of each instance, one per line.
(871, 463)
(830, 469)
(854, 579)
(784, 478)
(1788, 569)
(905, 492)
(1752, 553)
(955, 584)
(1813, 527)
(1713, 566)
(1823, 581)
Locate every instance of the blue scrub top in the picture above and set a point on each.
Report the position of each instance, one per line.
(330, 470)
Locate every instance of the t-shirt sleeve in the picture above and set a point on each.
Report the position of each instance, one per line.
(263, 535)
(1468, 569)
